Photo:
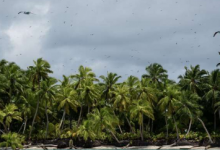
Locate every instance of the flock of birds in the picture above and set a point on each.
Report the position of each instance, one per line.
(25, 12)
(131, 55)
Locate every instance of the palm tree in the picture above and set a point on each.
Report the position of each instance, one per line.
(189, 106)
(140, 108)
(108, 83)
(121, 100)
(89, 93)
(146, 92)
(193, 79)
(85, 130)
(13, 81)
(170, 103)
(133, 83)
(67, 98)
(103, 119)
(84, 73)
(26, 103)
(7, 114)
(47, 91)
(214, 90)
(38, 73)
(156, 73)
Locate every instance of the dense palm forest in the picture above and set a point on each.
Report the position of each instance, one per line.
(36, 106)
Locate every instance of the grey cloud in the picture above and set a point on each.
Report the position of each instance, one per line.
(117, 36)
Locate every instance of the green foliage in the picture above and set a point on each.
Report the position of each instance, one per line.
(81, 106)
(8, 113)
(12, 140)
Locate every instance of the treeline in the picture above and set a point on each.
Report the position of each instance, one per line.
(34, 105)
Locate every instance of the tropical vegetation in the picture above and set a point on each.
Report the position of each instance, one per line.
(34, 105)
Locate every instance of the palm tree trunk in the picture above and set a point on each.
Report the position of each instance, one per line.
(148, 125)
(88, 109)
(141, 131)
(120, 128)
(20, 127)
(25, 124)
(214, 121)
(214, 110)
(5, 128)
(167, 134)
(210, 139)
(80, 114)
(70, 119)
(115, 137)
(177, 132)
(63, 117)
(35, 115)
(190, 123)
(152, 126)
(131, 129)
(118, 124)
(47, 121)
(2, 132)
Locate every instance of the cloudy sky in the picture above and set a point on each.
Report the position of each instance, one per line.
(121, 36)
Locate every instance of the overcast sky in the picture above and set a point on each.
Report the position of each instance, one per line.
(120, 36)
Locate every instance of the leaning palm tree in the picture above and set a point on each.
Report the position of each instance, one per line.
(139, 109)
(189, 106)
(38, 73)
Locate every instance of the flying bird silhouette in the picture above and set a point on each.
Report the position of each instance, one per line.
(216, 33)
(25, 12)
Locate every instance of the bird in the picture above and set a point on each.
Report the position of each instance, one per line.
(216, 33)
(25, 12)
